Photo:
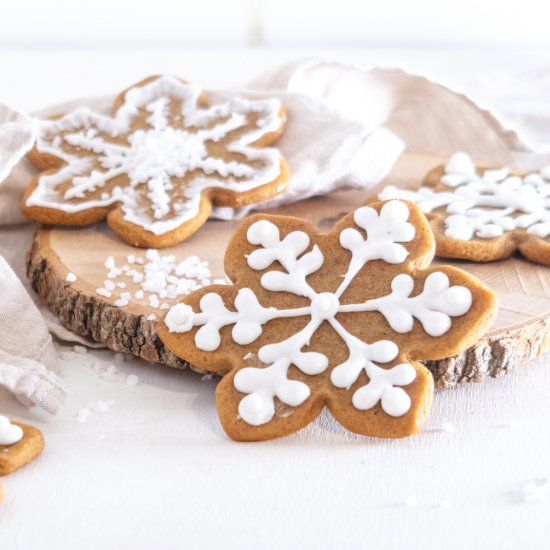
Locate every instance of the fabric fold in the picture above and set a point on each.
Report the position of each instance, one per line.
(347, 126)
(27, 354)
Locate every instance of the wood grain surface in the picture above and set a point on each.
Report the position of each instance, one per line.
(519, 333)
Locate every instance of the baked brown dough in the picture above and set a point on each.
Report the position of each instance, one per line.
(338, 320)
(158, 164)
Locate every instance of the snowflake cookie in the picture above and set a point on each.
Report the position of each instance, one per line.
(19, 444)
(156, 166)
(338, 320)
(484, 214)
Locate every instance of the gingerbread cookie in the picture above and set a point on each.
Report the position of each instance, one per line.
(484, 214)
(158, 164)
(19, 444)
(338, 320)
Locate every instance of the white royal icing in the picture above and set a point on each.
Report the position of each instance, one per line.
(152, 158)
(484, 205)
(9, 433)
(385, 232)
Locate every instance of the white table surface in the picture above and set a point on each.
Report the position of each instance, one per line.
(156, 470)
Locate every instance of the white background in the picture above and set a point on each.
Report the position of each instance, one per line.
(274, 23)
(156, 471)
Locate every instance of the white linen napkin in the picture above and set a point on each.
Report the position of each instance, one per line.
(346, 127)
(27, 354)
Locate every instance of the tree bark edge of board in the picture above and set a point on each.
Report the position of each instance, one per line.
(94, 318)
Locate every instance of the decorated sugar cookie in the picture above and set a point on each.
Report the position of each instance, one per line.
(156, 166)
(484, 215)
(337, 320)
(19, 444)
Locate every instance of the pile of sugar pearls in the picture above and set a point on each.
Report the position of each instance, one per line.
(160, 278)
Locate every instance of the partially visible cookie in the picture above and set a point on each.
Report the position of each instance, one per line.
(484, 214)
(340, 320)
(156, 166)
(19, 444)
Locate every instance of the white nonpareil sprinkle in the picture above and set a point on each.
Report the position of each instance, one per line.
(71, 277)
(80, 349)
(82, 415)
(161, 278)
(151, 317)
(412, 501)
(132, 380)
(536, 491)
(103, 406)
(206, 377)
(111, 369)
(93, 406)
(108, 284)
(444, 504)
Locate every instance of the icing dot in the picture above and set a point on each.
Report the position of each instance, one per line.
(325, 305)
(254, 404)
(461, 164)
(262, 232)
(9, 433)
(459, 296)
(179, 318)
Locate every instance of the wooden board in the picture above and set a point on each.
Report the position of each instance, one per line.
(520, 331)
